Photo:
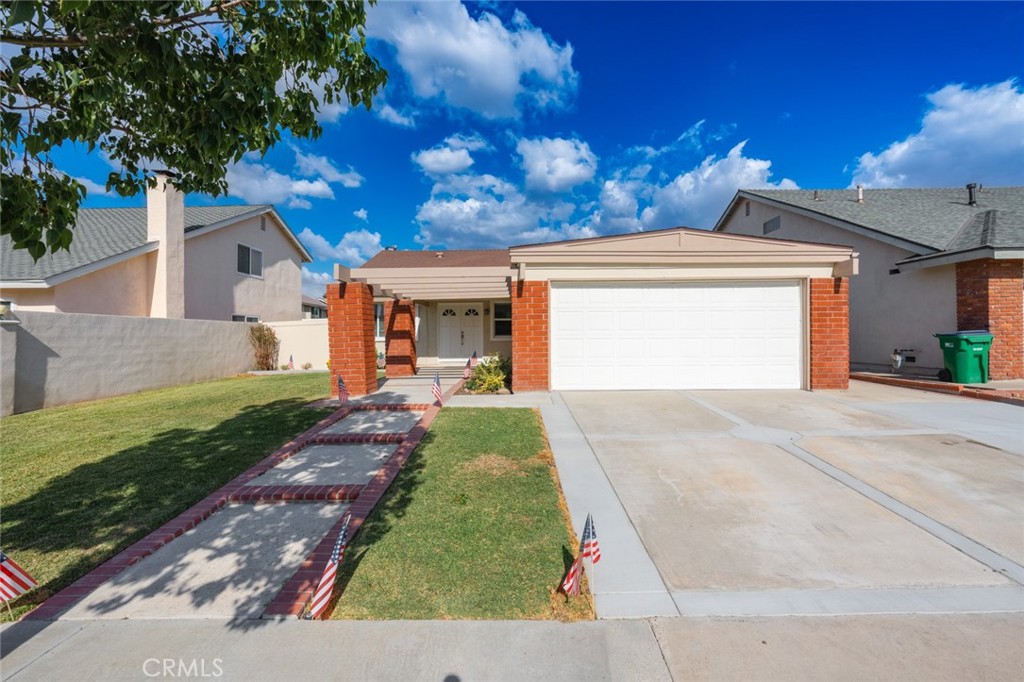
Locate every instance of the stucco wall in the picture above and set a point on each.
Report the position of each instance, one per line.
(886, 311)
(427, 344)
(122, 289)
(41, 300)
(8, 353)
(67, 358)
(214, 290)
(303, 340)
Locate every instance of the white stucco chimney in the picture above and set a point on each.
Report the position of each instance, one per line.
(165, 223)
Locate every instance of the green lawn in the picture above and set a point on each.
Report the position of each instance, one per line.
(79, 483)
(473, 527)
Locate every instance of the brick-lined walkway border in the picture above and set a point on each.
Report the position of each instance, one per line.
(350, 438)
(292, 598)
(185, 521)
(994, 395)
(252, 494)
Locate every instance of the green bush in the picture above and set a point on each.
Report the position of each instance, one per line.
(264, 343)
(491, 374)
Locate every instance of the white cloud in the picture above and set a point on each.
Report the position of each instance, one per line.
(556, 165)
(361, 214)
(94, 189)
(311, 165)
(391, 115)
(258, 183)
(354, 248)
(473, 142)
(443, 160)
(698, 197)
(315, 283)
(967, 135)
(477, 64)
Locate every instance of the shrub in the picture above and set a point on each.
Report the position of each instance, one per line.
(264, 343)
(307, 365)
(490, 375)
(285, 366)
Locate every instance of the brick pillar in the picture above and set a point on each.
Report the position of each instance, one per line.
(990, 295)
(350, 337)
(830, 333)
(400, 338)
(530, 336)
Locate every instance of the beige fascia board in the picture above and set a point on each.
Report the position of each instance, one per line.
(341, 273)
(457, 296)
(691, 272)
(430, 274)
(25, 284)
(847, 268)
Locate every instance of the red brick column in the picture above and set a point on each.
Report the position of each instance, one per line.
(830, 333)
(350, 337)
(530, 336)
(990, 295)
(400, 338)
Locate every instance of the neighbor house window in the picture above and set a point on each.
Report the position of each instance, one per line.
(502, 320)
(244, 318)
(772, 225)
(746, 208)
(378, 320)
(250, 261)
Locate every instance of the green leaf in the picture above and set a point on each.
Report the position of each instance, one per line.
(21, 11)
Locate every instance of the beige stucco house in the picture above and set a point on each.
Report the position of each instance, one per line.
(931, 260)
(238, 263)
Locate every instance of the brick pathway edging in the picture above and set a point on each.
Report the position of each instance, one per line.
(993, 395)
(190, 518)
(292, 598)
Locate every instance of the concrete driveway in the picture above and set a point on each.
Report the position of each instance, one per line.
(881, 507)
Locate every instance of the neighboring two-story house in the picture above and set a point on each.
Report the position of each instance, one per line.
(931, 260)
(238, 263)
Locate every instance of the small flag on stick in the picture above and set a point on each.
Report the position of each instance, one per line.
(588, 544)
(324, 590)
(466, 370)
(14, 580)
(342, 390)
(436, 388)
(571, 584)
(291, 362)
(473, 359)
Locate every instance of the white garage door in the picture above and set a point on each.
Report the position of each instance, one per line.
(674, 335)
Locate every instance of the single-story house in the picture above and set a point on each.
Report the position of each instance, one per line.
(668, 309)
(238, 263)
(931, 260)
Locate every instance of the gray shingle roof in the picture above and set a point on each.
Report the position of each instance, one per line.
(102, 233)
(998, 229)
(933, 218)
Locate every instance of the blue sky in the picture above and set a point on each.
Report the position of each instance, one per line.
(509, 123)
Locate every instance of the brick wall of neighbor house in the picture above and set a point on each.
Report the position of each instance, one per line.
(400, 338)
(350, 337)
(530, 336)
(830, 333)
(990, 295)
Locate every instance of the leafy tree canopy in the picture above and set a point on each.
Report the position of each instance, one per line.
(186, 85)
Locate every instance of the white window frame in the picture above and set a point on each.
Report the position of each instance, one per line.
(251, 319)
(495, 318)
(383, 326)
(251, 249)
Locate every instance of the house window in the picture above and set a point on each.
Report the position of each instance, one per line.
(250, 261)
(502, 321)
(378, 320)
(245, 318)
(773, 224)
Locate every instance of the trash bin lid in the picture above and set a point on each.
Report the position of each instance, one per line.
(972, 332)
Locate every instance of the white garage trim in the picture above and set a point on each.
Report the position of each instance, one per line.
(678, 335)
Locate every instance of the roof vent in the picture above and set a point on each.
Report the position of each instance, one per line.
(860, 194)
(393, 247)
(816, 197)
(972, 199)
(440, 254)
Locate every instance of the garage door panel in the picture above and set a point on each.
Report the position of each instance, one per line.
(677, 335)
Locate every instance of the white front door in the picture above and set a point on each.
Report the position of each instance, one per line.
(461, 331)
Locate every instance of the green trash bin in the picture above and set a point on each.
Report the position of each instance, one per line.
(965, 355)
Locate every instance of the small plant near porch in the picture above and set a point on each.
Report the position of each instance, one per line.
(492, 374)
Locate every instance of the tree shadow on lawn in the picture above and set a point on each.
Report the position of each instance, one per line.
(102, 507)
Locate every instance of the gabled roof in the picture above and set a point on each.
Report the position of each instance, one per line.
(102, 234)
(925, 220)
(480, 258)
(313, 302)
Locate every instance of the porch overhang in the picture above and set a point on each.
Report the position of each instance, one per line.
(435, 283)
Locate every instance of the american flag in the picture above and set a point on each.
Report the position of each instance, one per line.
(588, 544)
(466, 370)
(291, 362)
(14, 580)
(322, 596)
(342, 390)
(473, 359)
(436, 388)
(571, 584)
